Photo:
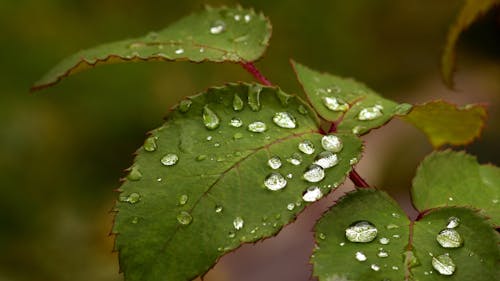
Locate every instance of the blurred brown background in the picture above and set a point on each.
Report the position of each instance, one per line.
(63, 150)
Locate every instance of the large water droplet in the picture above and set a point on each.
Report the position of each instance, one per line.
(294, 159)
(449, 238)
(326, 159)
(217, 27)
(185, 105)
(361, 232)
(306, 146)
(314, 173)
(254, 97)
(375, 267)
(210, 119)
(169, 159)
(237, 103)
(443, 264)
(183, 199)
(238, 223)
(134, 174)
(335, 104)
(312, 194)
(132, 198)
(236, 122)
(274, 162)
(453, 222)
(370, 113)
(184, 218)
(284, 120)
(332, 143)
(275, 181)
(360, 256)
(150, 144)
(257, 127)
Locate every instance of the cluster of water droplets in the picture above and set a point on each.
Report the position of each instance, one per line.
(448, 238)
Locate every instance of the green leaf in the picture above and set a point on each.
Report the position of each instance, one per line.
(350, 104)
(455, 178)
(215, 34)
(470, 12)
(445, 123)
(201, 192)
(407, 255)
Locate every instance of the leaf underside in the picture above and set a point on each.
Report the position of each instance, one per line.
(214, 34)
(324, 88)
(222, 169)
(445, 123)
(457, 179)
(408, 257)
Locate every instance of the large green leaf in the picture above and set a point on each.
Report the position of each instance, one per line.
(445, 123)
(350, 104)
(410, 248)
(457, 179)
(470, 12)
(175, 221)
(214, 34)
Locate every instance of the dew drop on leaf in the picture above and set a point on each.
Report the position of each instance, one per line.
(290, 206)
(132, 198)
(201, 157)
(326, 159)
(384, 240)
(184, 218)
(254, 97)
(237, 136)
(453, 222)
(231, 234)
(237, 103)
(353, 161)
(218, 209)
(382, 253)
(217, 27)
(135, 174)
(294, 159)
(391, 226)
(314, 173)
(449, 238)
(236, 122)
(150, 144)
(443, 264)
(179, 51)
(183, 199)
(247, 18)
(312, 194)
(360, 256)
(302, 110)
(257, 127)
(335, 104)
(322, 236)
(275, 181)
(375, 267)
(185, 105)
(210, 119)
(238, 223)
(306, 147)
(274, 162)
(169, 159)
(284, 120)
(332, 143)
(370, 113)
(361, 232)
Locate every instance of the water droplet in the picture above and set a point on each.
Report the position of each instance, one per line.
(254, 97)
(241, 39)
(237, 103)
(275, 181)
(169, 159)
(238, 223)
(236, 122)
(274, 162)
(284, 120)
(179, 51)
(184, 218)
(391, 226)
(209, 138)
(218, 209)
(217, 27)
(306, 146)
(332, 143)
(353, 161)
(134, 174)
(375, 267)
(450, 198)
(294, 159)
(342, 244)
(159, 179)
(237, 17)
(237, 136)
(396, 236)
(248, 18)
(135, 220)
(396, 215)
(289, 176)
(136, 45)
(382, 253)
(384, 241)
(257, 127)
(402, 109)
(335, 104)
(185, 105)
(314, 173)
(395, 267)
(302, 110)
(231, 234)
(322, 236)
(358, 130)
(132, 198)
(202, 50)
(201, 157)
(210, 119)
(449, 238)
(312, 194)
(183, 199)
(443, 264)
(326, 159)
(360, 256)
(290, 206)
(150, 144)
(361, 232)
(453, 222)
(370, 113)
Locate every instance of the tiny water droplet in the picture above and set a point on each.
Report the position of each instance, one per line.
(450, 198)
(449, 238)
(201, 157)
(395, 267)
(238, 103)
(184, 218)
(382, 253)
(443, 264)
(183, 199)
(358, 130)
(136, 45)
(169, 159)
(375, 267)
(209, 138)
(218, 209)
(217, 27)
(159, 179)
(248, 18)
(370, 113)
(361, 232)
(322, 236)
(396, 236)
(353, 161)
(360, 256)
(236, 122)
(314, 173)
(396, 215)
(302, 110)
(289, 176)
(335, 104)
(391, 226)
(275, 181)
(326, 159)
(179, 51)
(332, 143)
(150, 144)
(342, 244)
(294, 159)
(210, 119)
(453, 222)
(384, 241)
(237, 136)
(135, 220)
(132, 198)
(290, 206)
(306, 147)
(134, 174)
(231, 234)
(241, 39)
(185, 105)
(402, 109)
(274, 162)
(284, 120)
(312, 194)
(257, 127)
(237, 17)
(254, 97)
(238, 223)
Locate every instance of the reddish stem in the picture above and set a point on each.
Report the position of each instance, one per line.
(358, 180)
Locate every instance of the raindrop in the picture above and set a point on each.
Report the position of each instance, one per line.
(274, 162)
(236, 122)
(231, 234)
(384, 240)
(449, 238)
(290, 206)
(185, 105)
(210, 119)
(275, 181)
(391, 226)
(135, 220)
(159, 179)
(254, 97)
(443, 264)
(289, 176)
(302, 110)
(295, 159)
(361, 232)
(184, 218)
(150, 144)
(375, 267)
(202, 50)
(453, 222)
(218, 209)
(370, 113)
(314, 173)
(395, 215)
(240, 39)
(284, 120)
(237, 17)
(217, 27)
(257, 127)
(360, 256)
(132, 198)
(238, 223)
(237, 103)
(209, 138)
(183, 199)
(179, 51)
(134, 174)
(382, 253)
(306, 146)
(201, 157)
(332, 143)
(395, 267)
(169, 159)
(247, 18)
(342, 244)
(312, 194)
(335, 104)
(358, 130)
(237, 136)
(353, 161)
(326, 159)
(322, 236)
(396, 236)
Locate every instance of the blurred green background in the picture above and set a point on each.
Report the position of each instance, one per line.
(63, 150)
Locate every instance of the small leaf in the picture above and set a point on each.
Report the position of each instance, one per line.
(451, 178)
(470, 12)
(350, 104)
(445, 123)
(395, 254)
(215, 34)
(225, 186)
